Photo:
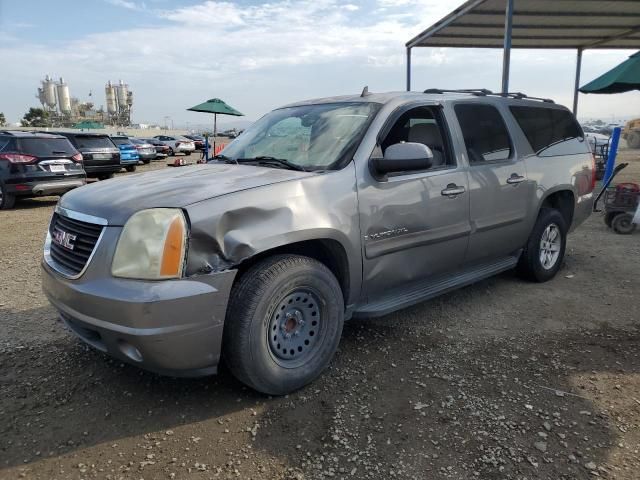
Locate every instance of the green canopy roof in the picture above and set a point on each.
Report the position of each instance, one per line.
(87, 124)
(215, 105)
(623, 78)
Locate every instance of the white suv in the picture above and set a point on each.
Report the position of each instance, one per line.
(177, 144)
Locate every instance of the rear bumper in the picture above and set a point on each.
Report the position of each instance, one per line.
(114, 168)
(583, 208)
(129, 161)
(147, 156)
(44, 187)
(170, 327)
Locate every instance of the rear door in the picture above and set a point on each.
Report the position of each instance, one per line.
(499, 191)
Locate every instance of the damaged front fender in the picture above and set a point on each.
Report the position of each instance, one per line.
(227, 230)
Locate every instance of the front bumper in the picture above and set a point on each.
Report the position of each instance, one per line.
(172, 327)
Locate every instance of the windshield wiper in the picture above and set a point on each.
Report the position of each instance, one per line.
(264, 159)
(224, 158)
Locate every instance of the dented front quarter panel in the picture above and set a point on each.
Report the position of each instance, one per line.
(229, 229)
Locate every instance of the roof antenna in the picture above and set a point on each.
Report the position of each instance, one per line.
(365, 91)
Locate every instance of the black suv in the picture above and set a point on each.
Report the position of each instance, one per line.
(35, 164)
(101, 155)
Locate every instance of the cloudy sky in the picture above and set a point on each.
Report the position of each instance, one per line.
(259, 55)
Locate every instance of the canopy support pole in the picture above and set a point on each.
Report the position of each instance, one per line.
(215, 127)
(576, 87)
(408, 69)
(506, 55)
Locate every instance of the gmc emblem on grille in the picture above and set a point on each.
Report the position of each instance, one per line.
(64, 239)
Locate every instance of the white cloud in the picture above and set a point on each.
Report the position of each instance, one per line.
(260, 56)
(127, 4)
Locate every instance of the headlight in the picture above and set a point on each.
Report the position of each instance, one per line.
(151, 245)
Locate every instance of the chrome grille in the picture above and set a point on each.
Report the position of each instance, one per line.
(72, 243)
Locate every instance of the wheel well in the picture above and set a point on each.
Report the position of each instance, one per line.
(564, 202)
(328, 252)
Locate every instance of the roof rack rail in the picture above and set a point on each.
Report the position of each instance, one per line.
(482, 92)
(472, 91)
(522, 96)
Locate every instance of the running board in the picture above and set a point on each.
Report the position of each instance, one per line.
(428, 289)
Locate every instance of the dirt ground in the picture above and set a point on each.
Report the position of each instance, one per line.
(502, 379)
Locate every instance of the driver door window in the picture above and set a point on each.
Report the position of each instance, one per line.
(421, 125)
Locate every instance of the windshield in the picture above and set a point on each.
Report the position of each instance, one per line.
(314, 137)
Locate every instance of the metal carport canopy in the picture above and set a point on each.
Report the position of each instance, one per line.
(552, 24)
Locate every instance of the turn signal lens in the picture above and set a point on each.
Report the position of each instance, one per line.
(173, 252)
(77, 158)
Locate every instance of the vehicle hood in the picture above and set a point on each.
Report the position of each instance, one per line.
(117, 199)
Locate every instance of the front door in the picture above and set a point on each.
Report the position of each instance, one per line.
(498, 184)
(415, 224)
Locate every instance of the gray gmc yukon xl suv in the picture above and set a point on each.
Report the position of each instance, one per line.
(323, 210)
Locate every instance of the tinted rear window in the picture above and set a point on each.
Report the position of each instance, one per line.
(42, 147)
(121, 141)
(91, 141)
(550, 131)
(485, 133)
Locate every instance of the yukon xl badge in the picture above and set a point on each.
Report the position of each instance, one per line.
(64, 239)
(386, 234)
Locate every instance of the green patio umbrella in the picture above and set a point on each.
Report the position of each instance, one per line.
(623, 78)
(216, 106)
(87, 124)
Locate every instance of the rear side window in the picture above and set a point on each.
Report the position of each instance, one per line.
(4, 141)
(485, 133)
(550, 131)
(42, 147)
(92, 141)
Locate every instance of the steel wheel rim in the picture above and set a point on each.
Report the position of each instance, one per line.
(550, 245)
(296, 328)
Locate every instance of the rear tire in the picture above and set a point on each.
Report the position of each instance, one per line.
(622, 224)
(284, 322)
(7, 200)
(171, 152)
(130, 168)
(544, 252)
(633, 140)
(187, 154)
(147, 161)
(105, 176)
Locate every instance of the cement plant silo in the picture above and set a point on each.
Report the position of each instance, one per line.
(110, 94)
(49, 90)
(64, 99)
(40, 96)
(122, 89)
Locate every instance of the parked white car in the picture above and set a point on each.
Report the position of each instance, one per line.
(177, 144)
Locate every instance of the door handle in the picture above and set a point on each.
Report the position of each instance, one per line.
(515, 179)
(452, 190)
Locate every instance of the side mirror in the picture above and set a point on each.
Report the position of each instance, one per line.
(404, 157)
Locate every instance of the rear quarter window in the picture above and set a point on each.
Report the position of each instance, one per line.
(4, 142)
(550, 131)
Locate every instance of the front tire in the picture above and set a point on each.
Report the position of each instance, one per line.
(544, 252)
(284, 322)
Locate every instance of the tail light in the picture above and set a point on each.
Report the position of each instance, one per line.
(593, 172)
(77, 158)
(17, 158)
